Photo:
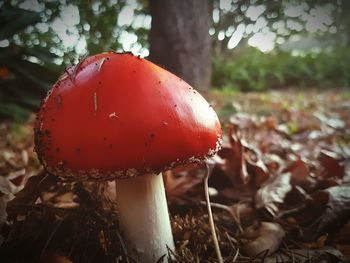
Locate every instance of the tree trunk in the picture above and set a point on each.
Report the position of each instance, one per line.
(179, 39)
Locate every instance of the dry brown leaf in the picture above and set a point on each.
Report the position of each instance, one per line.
(234, 165)
(243, 213)
(333, 164)
(319, 243)
(258, 170)
(300, 174)
(273, 193)
(336, 200)
(28, 195)
(243, 121)
(273, 162)
(268, 238)
(180, 181)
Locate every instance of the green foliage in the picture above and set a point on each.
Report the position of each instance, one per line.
(261, 16)
(26, 73)
(251, 69)
(37, 41)
(102, 21)
(14, 20)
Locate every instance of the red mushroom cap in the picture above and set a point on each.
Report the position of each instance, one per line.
(116, 115)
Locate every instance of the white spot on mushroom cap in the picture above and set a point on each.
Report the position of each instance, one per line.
(113, 115)
(101, 63)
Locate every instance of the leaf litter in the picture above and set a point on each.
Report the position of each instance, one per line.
(279, 191)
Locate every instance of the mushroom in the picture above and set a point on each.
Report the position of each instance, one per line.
(117, 116)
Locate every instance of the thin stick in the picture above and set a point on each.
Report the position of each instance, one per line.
(123, 246)
(210, 215)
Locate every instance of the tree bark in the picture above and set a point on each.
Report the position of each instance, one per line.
(180, 41)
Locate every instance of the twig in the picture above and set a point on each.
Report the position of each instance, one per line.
(171, 255)
(233, 247)
(210, 215)
(236, 255)
(123, 246)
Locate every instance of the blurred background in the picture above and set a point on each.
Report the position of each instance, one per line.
(276, 72)
(221, 45)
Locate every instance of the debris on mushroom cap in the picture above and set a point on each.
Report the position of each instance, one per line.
(126, 116)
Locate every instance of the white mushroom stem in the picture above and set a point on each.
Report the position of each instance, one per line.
(143, 216)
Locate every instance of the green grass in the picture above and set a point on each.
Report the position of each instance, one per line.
(251, 69)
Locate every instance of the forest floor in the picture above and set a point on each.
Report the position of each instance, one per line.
(279, 189)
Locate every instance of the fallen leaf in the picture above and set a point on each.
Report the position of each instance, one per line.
(243, 213)
(180, 181)
(300, 174)
(255, 166)
(258, 171)
(333, 164)
(234, 164)
(28, 195)
(64, 199)
(17, 178)
(9, 157)
(334, 123)
(273, 193)
(273, 162)
(337, 206)
(296, 198)
(243, 121)
(319, 243)
(268, 238)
